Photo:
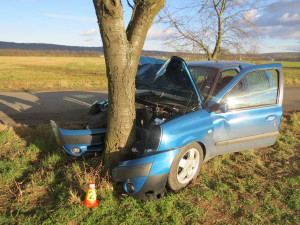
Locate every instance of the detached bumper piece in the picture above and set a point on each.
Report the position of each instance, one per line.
(145, 178)
(80, 142)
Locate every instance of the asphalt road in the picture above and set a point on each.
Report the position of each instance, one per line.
(71, 107)
(34, 108)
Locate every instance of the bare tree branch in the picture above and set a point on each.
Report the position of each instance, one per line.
(131, 6)
(187, 36)
(207, 23)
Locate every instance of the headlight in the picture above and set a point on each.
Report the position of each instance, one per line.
(130, 188)
(76, 150)
(153, 138)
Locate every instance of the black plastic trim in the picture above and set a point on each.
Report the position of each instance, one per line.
(154, 188)
(82, 139)
(127, 172)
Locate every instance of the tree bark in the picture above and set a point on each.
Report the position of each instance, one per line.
(122, 50)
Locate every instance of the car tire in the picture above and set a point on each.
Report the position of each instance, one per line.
(186, 166)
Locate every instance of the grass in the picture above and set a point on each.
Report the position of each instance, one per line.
(291, 72)
(40, 184)
(20, 73)
(33, 73)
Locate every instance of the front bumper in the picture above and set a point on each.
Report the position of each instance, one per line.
(84, 141)
(146, 177)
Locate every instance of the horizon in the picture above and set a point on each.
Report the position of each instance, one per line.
(259, 53)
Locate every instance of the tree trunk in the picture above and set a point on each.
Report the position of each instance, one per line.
(218, 39)
(122, 50)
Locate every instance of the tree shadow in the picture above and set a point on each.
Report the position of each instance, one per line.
(34, 108)
(51, 173)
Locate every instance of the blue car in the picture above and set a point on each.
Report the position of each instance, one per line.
(187, 113)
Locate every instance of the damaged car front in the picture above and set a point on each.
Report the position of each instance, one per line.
(163, 92)
(187, 113)
(169, 95)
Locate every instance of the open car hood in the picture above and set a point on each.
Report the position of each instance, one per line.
(171, 77)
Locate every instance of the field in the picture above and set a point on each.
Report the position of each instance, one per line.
(291, 72)
(29, 73)
(20, 73)
(40, 184)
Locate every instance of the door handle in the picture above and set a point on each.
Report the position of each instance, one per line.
(271, 118)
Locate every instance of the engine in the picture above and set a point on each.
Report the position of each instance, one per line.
(149, 116)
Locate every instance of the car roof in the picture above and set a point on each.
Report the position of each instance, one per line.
(218, 64)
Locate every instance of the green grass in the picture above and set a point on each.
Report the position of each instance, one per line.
(291, 72)
(40, 184)
(34, 73)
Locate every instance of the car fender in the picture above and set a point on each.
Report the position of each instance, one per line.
(196, 126)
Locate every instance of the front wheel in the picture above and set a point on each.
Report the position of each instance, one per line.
(186, 166)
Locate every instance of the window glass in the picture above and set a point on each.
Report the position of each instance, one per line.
(264, 79)
(274, 75)
(225, 78)
(227, 73)
(237, 98)
(256, 88)
(254, 82)
(204, 78)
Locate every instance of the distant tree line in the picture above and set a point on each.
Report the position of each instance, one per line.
(58, 53)
(189, 56)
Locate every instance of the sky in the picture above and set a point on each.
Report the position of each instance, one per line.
(73, 22)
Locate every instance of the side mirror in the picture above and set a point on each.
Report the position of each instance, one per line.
(220, 107)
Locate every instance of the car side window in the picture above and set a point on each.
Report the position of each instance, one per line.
(230, 72)
(257, 81)
(225, 78)
(237, 97)
(254, 89)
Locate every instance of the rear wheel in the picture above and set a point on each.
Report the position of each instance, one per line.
(186, 166)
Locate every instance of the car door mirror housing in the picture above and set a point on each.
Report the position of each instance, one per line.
(221, 107)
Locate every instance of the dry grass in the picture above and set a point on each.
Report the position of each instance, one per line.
(291, 76)
(51, 73)
(40, 184)
(32, 73)
(291, 72)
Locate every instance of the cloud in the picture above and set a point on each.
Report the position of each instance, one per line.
(251, 15)
(90, 39)
(280, 31)
(287, 17)
(282, 20)
(91, 32)
(159, 33)
(71, 17)
(293, 48)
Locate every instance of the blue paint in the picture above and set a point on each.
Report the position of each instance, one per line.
(81, 132)
(161, 164)
(138, 183)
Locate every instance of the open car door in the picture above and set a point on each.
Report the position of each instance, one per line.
(247, 112)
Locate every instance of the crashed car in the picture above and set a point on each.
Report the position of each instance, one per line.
(187, 113)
